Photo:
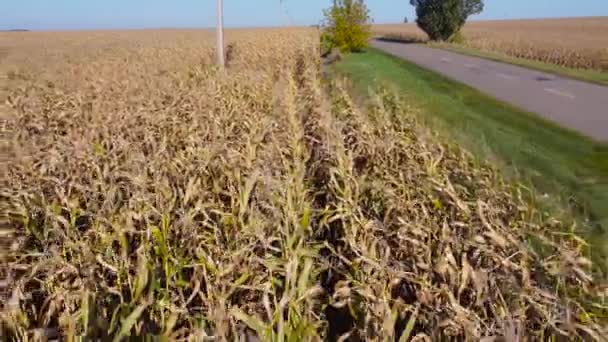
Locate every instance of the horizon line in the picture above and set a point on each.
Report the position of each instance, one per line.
(24, 29)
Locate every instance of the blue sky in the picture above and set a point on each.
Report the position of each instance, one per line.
(107, 14)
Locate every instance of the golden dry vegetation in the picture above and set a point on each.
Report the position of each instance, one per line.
(571, 42)
(145, 191)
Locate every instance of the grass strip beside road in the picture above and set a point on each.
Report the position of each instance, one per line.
(592, 76)
(563, 164)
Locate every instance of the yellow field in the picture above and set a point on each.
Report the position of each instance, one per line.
(575, 42)
(147, 192)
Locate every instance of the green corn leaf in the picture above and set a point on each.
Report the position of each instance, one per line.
(129, 322)
(409, 327)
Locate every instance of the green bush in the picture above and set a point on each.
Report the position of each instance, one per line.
(346, 26)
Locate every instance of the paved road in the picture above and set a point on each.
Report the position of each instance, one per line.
(577, 105)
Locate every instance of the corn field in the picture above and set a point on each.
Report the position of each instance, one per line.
(579, 43)
(147, 192)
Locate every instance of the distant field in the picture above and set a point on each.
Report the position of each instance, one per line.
(569, 42)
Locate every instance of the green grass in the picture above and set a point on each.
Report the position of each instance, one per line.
(570, 168)
(593, 76)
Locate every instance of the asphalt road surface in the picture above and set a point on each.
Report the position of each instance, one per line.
(577, 105)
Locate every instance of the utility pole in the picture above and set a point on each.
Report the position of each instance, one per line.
(220, 33)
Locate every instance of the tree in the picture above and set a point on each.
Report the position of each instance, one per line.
(442, 19)
(405, 21)
(471, 7)
(347, 25)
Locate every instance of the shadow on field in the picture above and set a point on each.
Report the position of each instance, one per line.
(399, 39)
